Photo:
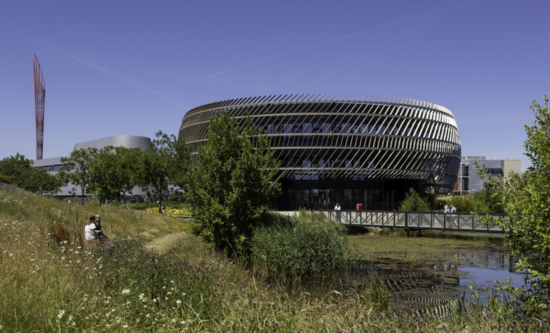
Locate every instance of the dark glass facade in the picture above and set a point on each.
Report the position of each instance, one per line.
(351, 152)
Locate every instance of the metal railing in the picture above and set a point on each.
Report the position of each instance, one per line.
(414, 220)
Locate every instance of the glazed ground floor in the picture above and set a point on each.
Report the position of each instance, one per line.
(380, 194)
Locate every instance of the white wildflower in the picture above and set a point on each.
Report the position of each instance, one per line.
(178, 302)
(60, 314)
(125, 291)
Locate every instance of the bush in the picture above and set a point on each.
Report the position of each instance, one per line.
(296, 247)
(413, 202)
(479, 202)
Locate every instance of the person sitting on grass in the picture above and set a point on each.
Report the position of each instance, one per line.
(90, 229)
(98, 230)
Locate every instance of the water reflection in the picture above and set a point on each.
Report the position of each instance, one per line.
(431, 284)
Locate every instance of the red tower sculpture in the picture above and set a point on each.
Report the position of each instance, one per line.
(39, 102)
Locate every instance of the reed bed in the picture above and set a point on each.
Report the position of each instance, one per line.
(53, 281)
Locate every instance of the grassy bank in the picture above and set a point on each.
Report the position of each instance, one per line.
(52, 281)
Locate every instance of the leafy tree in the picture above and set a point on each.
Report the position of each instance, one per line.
(76, 168)
(18, 171)
(526, 201)
(14, 168)
(165, 162)
(232, 182)
(38, 180)
(413, 202)
(115, 172)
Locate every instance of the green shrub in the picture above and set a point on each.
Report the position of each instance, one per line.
(296, 247)
(479, 202)
(413, 202)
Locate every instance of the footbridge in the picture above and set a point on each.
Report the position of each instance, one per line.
(413, 221)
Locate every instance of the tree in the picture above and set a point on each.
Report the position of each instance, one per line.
(232, 182)
(13, 168)
(165, 162)
(115, 172)
(38, 180)
(18, 171)
(525, 200)
(413, 202)
(76, 168)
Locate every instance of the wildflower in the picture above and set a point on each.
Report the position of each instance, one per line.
(60, 314)
(182, 322)
(125, 326)
(178, 302)
(125, 291)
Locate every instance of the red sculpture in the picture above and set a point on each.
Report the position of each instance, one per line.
(39, 102)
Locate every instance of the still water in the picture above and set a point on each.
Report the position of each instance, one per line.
(431, 284)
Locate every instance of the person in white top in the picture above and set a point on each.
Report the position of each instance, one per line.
(337, 207)
(89, 229)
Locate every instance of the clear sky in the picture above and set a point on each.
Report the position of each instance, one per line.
(136, 67)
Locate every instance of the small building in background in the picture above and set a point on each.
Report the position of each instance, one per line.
(469, 182)
(54, 165)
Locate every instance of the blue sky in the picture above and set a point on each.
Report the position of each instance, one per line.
(136, 67)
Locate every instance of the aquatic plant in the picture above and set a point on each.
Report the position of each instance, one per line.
(295, 247)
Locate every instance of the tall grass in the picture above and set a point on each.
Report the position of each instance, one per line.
(299, 246)
(50, 283)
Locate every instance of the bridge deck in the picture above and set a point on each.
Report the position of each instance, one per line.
(412, 220)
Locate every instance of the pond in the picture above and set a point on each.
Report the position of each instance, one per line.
(425, 274)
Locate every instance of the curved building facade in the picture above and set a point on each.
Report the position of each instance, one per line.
(368, 152)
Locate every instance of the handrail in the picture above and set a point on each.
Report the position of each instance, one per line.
(414, 220)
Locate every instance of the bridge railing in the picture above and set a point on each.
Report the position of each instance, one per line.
(414, 220)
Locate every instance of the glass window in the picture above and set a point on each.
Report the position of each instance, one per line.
(57, 167)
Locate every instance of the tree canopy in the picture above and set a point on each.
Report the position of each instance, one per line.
(115, 172)
(76, 168)
(232, 182)
(19, 171)
(413, 202)
(165, 162)
(525, 200)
